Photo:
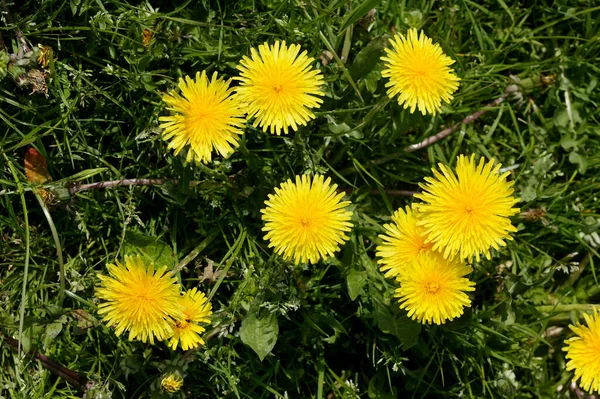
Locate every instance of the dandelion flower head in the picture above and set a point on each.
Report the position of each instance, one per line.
(433, 289)
(468, 212)
(279, 86)
(403, 241)
(206, 117)
(139, 299)
(419, 73)
(196, 309)
(171, 383)
(583, 350)
(306, 220)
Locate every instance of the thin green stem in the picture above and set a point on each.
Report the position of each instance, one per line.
(59, 254)
(341, 64)
(194, 253)
(232, 253)
(26, 268)
(575, 307)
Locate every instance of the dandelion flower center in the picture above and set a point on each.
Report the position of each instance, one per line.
(432, 289)
(583, 350)
(206, 117)
(279, 87)
(306, 220)
(467, 213)
(419, 73)
(139, 300)
(183, 324)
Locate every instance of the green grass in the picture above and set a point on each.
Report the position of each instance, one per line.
(340, 331)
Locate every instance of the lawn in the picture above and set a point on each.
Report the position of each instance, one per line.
(90, 176)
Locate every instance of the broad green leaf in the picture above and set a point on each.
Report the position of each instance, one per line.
(338, 128)
(330, 321)
(175, 191)
(570, 142)
(414, 19)
(379, 388)
(151, 249)
(367, 58)
(357, 13)
(529, 192)
(405, 329)
(579, 160)
(260, 334)
(53, 329)
(356, 280)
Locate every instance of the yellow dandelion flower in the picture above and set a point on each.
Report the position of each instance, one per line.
(419, 72)
(206, 117)
(583, 351)
(306, 220)
(467, 213)
(433, 289)
(139, 299)
(45, 55)
(279, 87)
(171, 383)
(403, 242)
(196, 309)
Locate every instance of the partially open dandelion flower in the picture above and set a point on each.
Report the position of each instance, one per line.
(404, 240)
(206, 117)
(583, 352)
(171, 383)
(139, 300)
(419, 72)
(279, 87)
(196, 309)
(468, 212)
(433, 290)
(306, 220)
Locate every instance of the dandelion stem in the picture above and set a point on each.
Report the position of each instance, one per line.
(56, 368)
(194, 253)
(469, 119)
(27, 244)
(396, 193)
(126, 182)
(122, 182)
(442, 134)
(390, 192)
(567, 308)
(61, 263)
